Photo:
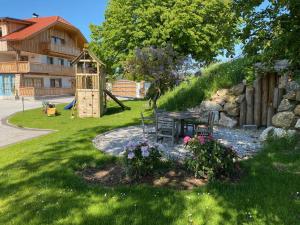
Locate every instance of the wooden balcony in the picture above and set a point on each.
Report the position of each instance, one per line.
(37, 68)
(40, 92)
(60, 49)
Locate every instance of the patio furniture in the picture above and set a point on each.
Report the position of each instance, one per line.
(147, 125)
(181, 117)
(166, 128)
(207, 130)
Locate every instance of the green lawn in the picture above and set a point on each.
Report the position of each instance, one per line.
(38, 184)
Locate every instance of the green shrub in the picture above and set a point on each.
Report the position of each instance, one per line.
(193, 91)
(141, 159)
(209, 158)
(286, 143)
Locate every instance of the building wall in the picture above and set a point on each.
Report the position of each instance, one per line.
(3, 44)
(7, 57)
(66, 81)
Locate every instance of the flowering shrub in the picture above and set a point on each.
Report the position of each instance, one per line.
(141, 159)
(209, 158)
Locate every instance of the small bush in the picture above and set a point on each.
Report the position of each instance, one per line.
(209, 158)
(141, 159)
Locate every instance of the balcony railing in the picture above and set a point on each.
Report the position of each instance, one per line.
(29, 67)
(39, 92)
(62, 49)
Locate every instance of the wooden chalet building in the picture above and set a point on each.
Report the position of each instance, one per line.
(35, 56)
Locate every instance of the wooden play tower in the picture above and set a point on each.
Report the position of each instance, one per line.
(90, 85)
(91, 93)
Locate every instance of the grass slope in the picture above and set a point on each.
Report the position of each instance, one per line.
(191, 92)
(38, 184)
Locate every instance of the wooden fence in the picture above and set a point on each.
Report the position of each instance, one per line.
(128, 89)
(261, 101)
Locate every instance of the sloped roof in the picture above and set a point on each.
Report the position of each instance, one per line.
(90, 53)
(38, 24)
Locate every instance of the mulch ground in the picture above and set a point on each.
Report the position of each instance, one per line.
(114, 174)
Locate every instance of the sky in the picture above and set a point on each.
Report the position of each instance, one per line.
(81, 13)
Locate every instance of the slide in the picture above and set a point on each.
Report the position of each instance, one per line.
(70, 105)
(124, 107)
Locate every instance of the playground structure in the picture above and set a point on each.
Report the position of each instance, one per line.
(91, 86)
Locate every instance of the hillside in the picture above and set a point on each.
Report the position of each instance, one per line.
(193, 91)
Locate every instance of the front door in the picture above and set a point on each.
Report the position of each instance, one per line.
(7, 84)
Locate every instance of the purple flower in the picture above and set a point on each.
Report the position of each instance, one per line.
(131, 145)
(145, 151)
(131, 155)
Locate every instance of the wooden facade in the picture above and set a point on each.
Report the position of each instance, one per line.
(35, 68)
(47, 52)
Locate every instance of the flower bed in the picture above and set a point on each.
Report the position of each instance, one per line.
(210, 159)
(141, 159)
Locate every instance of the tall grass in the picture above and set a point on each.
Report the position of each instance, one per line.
(193, 91)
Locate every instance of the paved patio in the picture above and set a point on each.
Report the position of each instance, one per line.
(244, 142)
(10, 134)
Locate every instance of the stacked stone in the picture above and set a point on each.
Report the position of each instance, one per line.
(288, 116)
(226, 105)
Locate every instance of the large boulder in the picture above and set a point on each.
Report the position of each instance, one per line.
(290, 95)
(292, 86)
(231, 98)
(297, 110)
(240, 99)
(210, 106)
(297, 126)
(283, 119)
(232, 109)
(275, 132)
(238, 89)
(286, 105)
(283, 80)
(227, 121)
(222, 92)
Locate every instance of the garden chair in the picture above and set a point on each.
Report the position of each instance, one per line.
(166, 128)
(207, 130)
(147, 125)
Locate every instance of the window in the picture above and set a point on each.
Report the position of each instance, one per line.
(1, 33)
(57, 40)
(61, 62)
(28, 82)
(33, 82)
(55, 83)
(50, 60)
(24, 58)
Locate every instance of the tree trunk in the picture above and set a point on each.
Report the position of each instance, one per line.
(257, 102)
(249, 100)
(264, 104)
(243, 113)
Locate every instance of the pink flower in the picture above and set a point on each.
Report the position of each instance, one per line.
(186, 139)
(201, 140)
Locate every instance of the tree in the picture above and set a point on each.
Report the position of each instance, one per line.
(270, 31)
(160, 66)
(201, 29)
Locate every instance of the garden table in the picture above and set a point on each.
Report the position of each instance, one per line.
(181, 117)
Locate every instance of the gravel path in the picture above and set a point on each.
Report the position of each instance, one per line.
(244, 142)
